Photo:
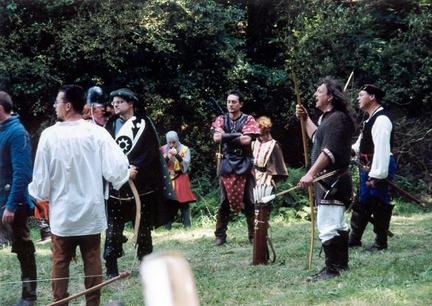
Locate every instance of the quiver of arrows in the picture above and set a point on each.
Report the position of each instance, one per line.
(262, 211)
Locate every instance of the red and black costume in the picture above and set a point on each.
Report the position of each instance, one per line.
(236, 172)
(178, 166)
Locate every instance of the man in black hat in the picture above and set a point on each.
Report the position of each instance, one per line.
(137, 137)
(373, 149)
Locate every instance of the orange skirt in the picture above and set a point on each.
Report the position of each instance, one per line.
(182, 189)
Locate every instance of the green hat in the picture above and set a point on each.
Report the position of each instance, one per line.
(125, 93)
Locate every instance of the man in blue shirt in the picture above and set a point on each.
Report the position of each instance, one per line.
(15, 203)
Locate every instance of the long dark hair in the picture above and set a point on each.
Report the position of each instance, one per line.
(340, 100)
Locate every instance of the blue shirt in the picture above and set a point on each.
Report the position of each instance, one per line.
(15, 165)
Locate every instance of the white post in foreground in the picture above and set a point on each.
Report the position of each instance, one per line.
(167, 280)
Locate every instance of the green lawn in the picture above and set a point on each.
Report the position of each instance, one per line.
(402, 275)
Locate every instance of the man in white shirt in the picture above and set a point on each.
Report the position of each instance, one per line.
(72, 159)
(373, 150)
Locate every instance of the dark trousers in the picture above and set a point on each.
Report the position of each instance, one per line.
(121, 212)
(23, 246)
(185, 215)
(382, 214)
(63, 249)
(19, 231)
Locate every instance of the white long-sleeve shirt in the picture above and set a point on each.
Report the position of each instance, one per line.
(381, 134)
(71, 161)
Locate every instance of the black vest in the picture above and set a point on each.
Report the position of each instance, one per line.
(236, 128)
(238, 124)
(237, 158)
(366, 143)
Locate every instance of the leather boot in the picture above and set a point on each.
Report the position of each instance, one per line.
(145, 242)
(25, 303)
(45, 233)
(250, 220)
(111, 267)
(383, 215)
(331, 268)
(358, 225)
(5, 239)
(186, 216)
(249, 212)
(343, 254)
(29, 279)
(222, 219)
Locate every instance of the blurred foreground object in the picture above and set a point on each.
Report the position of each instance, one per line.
(167, 280)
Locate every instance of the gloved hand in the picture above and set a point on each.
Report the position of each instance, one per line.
(371, 183)
(229, 137)
(301, 112)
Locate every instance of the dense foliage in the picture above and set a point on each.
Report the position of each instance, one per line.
(176, 54)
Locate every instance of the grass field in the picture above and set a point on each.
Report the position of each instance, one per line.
(402, 275)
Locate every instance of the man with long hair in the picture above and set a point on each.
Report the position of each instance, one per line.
(331, 151)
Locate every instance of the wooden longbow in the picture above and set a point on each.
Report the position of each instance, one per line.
(72, 297)
(306, 159)
(138, 210)
(349, 80)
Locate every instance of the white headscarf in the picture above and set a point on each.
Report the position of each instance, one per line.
(172, 136)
